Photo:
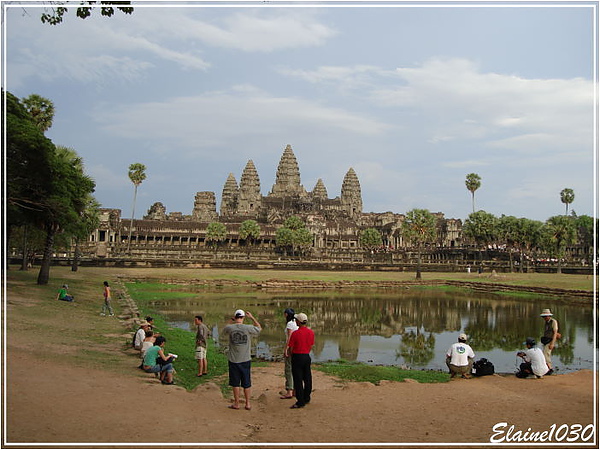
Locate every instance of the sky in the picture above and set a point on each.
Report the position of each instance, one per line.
(412, 96)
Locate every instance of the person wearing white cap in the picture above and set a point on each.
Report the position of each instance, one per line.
(459, 358)
(299, 346)
(550, 336)
(238, 355)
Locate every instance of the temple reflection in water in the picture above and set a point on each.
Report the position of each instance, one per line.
(405, 328)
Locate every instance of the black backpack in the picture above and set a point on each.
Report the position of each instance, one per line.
(483, 367)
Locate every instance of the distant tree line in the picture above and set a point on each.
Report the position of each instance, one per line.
(50, 205)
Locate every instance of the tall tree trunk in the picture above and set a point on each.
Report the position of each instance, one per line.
(44, 274)
(132, 215)
(418, 276)
(25, 260)
(76, 255)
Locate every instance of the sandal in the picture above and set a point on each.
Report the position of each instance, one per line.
(283, 397)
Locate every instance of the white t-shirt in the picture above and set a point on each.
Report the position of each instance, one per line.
(459, 354)
(291, 325)
(536, 357)
(140, 335)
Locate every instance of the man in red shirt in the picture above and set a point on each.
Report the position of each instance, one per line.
(299, 346)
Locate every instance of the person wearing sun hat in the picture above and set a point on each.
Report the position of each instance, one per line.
(299, 346)
(549, 337)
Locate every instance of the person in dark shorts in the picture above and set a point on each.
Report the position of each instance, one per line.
(238, 355)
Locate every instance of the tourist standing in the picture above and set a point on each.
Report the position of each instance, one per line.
(299, 346)
(201, 337)
(290, 327)
(238, 355)
(107, 298)
(534, 361)
(550, 336)
(459, 358)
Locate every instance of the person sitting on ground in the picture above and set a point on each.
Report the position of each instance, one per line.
(140, 335)
(147, 343)
(459, 358)
(534, 362)
(151, 362)
(63, 295)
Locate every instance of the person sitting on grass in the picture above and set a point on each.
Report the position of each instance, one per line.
(63, 295)
(155, 361)
(147, 343)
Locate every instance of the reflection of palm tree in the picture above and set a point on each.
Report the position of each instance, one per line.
(416, 349)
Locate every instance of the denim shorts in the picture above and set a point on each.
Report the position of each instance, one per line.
(239, 374)
(158, 368)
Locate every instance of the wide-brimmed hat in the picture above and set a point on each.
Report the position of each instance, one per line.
(546, 313)
(301, 317)
(143, 323)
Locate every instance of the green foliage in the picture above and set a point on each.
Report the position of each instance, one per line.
(293, 223)
(558, 232)
(137, 173)
(419, 227)
(294, 235)
(567, 196)
(473, 182)
(216, 233)
(374, 374)
(370, 238)
(41, 111)
(107, 9)
(482, 227)
(28, 165)
(69, 195)
(249, 230)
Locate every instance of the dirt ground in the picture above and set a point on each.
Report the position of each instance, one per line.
(54, 403)
(51, 400)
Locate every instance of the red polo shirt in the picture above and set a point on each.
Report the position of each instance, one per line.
(302, 340)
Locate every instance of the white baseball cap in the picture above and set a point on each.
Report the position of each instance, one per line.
(240, 313)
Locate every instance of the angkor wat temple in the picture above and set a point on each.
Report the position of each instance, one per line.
(335, 223)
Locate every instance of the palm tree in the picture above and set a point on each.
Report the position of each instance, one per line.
(419, 227)
(137, 174)
(41, 111)
(567, 196)
(473, 182)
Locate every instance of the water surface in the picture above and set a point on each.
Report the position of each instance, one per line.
(407, 327)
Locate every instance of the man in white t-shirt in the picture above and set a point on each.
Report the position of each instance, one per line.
(459, 358)
(534, 361)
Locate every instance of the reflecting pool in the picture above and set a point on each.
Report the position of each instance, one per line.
(410, 327)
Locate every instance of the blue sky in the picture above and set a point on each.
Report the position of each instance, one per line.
(413, 97)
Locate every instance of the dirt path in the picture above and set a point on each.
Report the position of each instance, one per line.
(53, 397)
(51, 403)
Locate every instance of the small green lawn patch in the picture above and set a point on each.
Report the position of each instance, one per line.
(355, 371)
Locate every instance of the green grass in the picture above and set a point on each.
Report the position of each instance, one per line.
(354, 371)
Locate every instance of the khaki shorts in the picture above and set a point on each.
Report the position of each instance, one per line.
(200, 352)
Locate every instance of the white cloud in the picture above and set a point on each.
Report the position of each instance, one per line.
(200, 122)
